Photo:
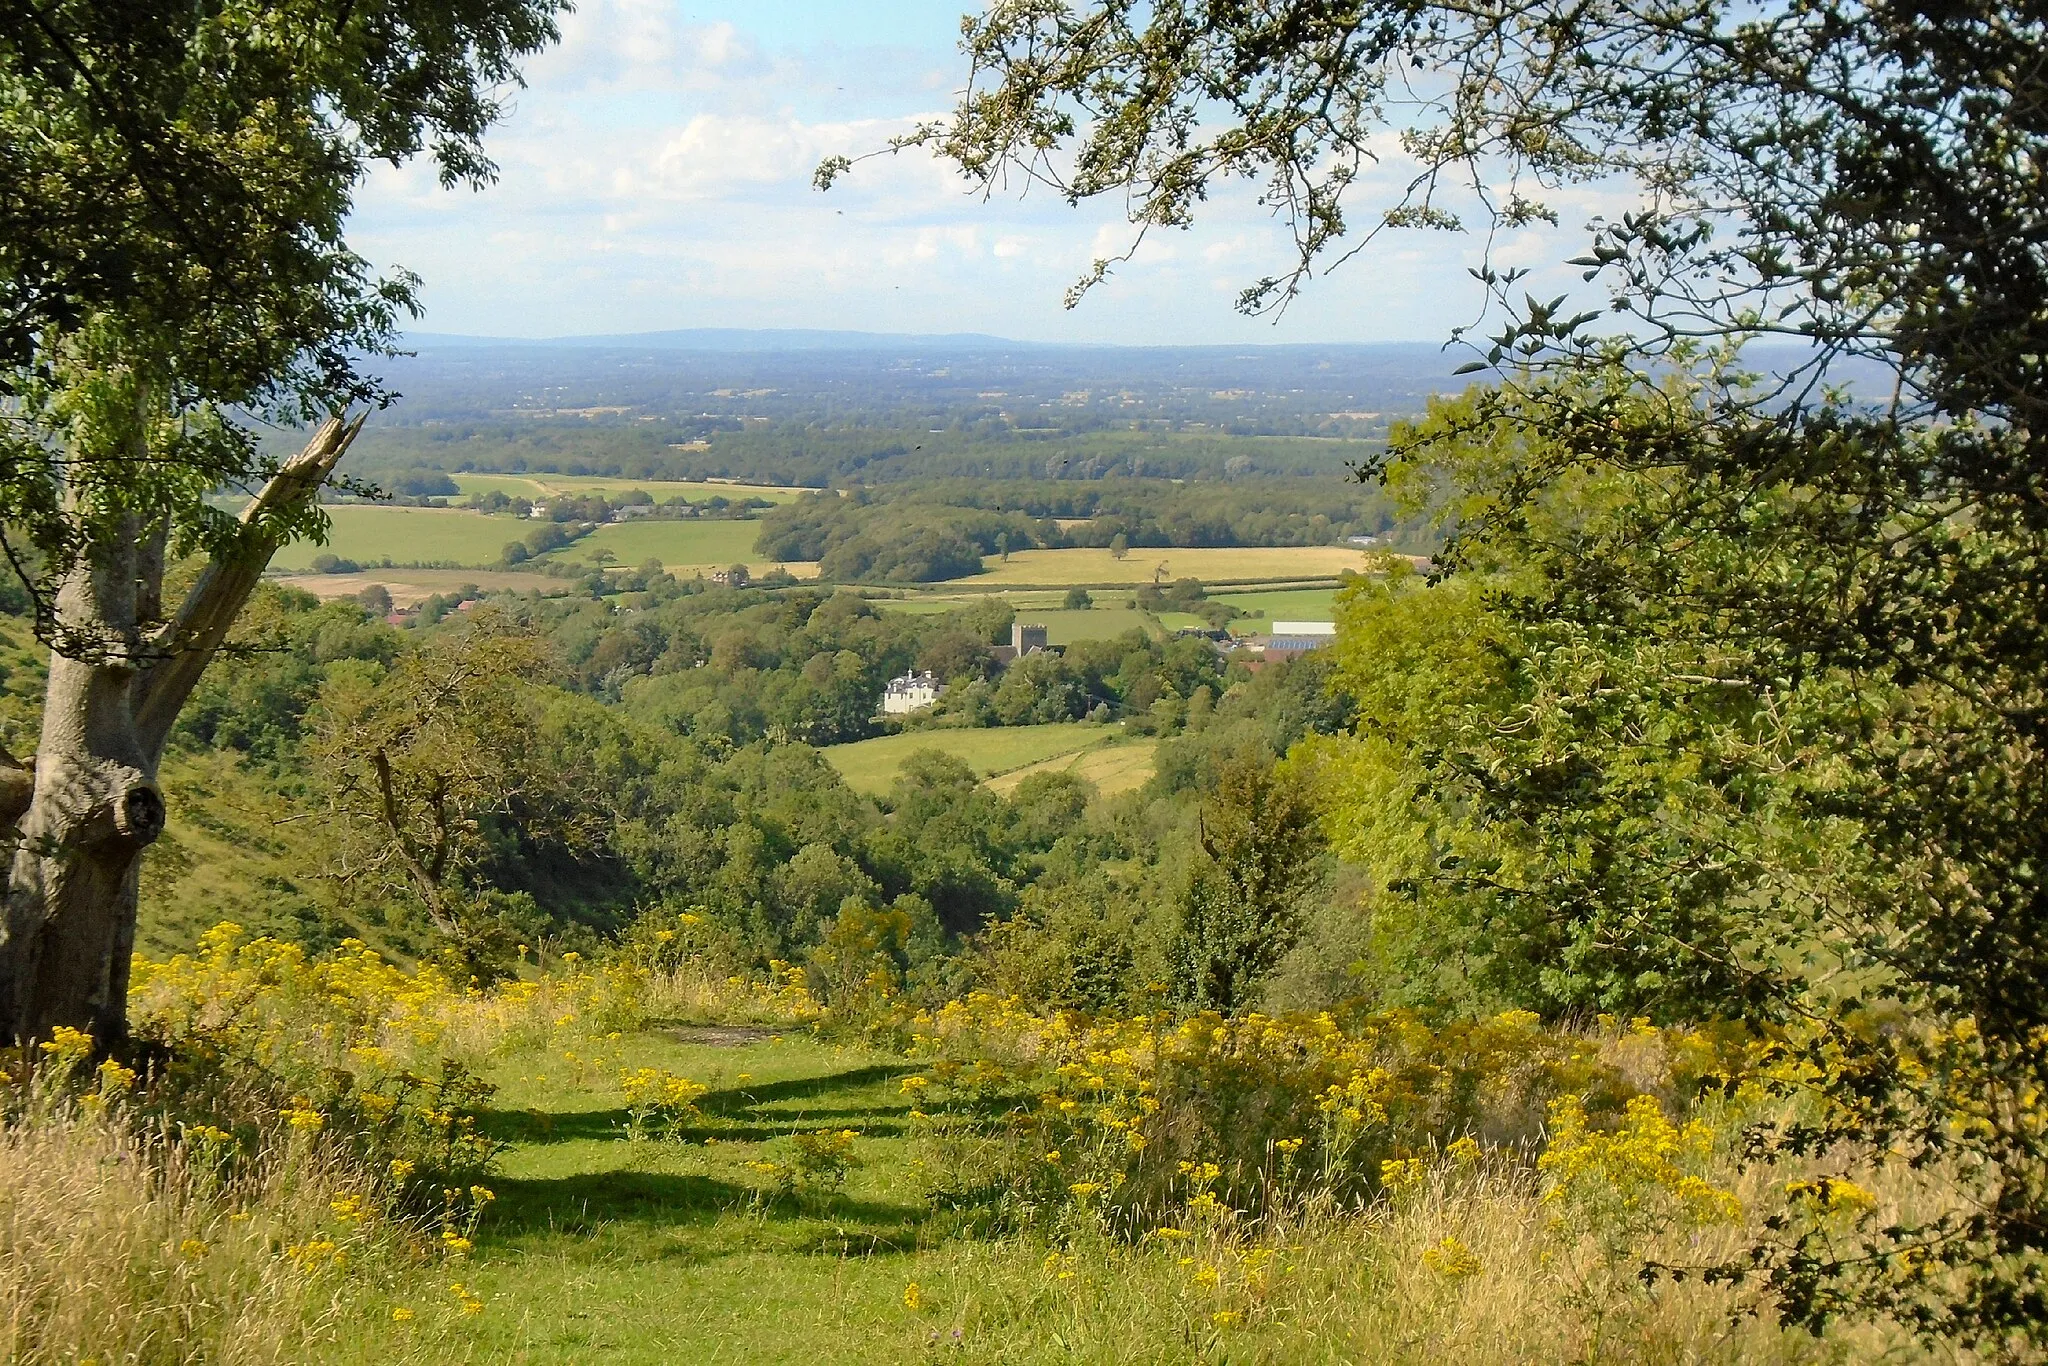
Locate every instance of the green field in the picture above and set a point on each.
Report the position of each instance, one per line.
(921, 607)
(371, 534)
(1237, 564)
(409, 586)
(676, 544)
(458, 536)
(661, 490)
(1062, 627)
(1292, 604)
(1098, 623)
(1112, 768)
(872, 765)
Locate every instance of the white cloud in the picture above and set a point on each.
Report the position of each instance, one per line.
(658, 174)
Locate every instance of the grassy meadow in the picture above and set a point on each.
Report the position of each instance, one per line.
(461, 537)
(536, 486)
(1113, 769)
(1107, 619)
(370, 534)
(871, 765)
(683, 547)
(1212, 565)
(1261, 610)
(661, 1164)
(411, 586)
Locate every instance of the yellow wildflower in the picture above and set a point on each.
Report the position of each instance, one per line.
(1451, 1259)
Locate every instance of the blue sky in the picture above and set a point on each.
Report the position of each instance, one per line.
(656, 174)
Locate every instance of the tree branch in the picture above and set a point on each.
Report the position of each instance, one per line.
(210, 609)
(427, 883)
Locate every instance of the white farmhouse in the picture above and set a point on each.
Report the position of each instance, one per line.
(912, 692)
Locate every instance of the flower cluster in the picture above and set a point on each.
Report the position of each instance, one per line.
(1155, 1117)
(1644, 1171)
(658, 1102)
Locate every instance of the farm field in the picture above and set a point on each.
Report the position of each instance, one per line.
(871, 765)
(372, 534)
(1112, 768)
(410, 586)
(661, 490)
(683, 547)
(1290, 604)
(1063, 626)
(1235, 564)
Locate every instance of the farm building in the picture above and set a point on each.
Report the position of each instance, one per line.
(735, 577)
(1290, 638)
(912, 692)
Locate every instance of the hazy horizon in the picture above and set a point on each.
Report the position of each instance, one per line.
(656, 175)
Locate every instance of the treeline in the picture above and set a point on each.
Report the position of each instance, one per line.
(942, 530)
(860, 538)
(1076, 449)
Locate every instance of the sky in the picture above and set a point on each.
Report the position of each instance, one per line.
(656, 174)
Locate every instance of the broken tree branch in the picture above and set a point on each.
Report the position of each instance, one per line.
(210, 609)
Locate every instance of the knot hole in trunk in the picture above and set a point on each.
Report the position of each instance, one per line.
(139, 813)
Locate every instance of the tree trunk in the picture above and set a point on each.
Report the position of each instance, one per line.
(117, 681)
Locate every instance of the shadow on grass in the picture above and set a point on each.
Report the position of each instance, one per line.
(734, 1100)
(743, 1110)
(582, 1204)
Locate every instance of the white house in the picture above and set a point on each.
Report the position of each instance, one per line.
(912, 692)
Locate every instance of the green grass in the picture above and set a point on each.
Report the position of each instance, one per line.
(370, 535)
(511, 485)
(1108, 619)
(410, 586)
(694, 543)
(1211, 565)
(921, 607)
(1112, 768)
(1293, 604)
(598, 1248)
(661, 490)
(1098, 623)
(227, 854)
(458, 536)
(872, 765)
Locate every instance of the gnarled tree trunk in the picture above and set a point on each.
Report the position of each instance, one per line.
(91, 805)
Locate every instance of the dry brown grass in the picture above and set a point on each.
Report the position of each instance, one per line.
(1376, 1286)
(116, 1250)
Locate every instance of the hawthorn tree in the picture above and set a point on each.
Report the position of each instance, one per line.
(174, 184)
(1808, 593)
